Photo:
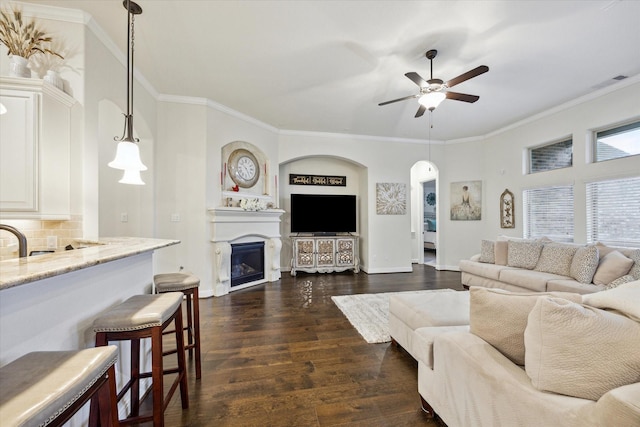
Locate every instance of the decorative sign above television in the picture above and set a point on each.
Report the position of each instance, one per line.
(333, 181)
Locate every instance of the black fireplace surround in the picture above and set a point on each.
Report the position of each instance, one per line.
(247, 263)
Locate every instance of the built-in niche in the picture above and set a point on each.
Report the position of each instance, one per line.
(245, 174)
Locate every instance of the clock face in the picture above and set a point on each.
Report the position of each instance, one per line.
(243, 167)
(246, 168)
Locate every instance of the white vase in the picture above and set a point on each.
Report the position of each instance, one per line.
(19, 67)
(54, 78)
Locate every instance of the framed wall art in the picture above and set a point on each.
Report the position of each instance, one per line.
(466, 201)
(507, 206)
(391, 198)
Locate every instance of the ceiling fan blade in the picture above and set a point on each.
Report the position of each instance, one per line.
(468, 75)
(399, 99)
(420, 111)
(415, 77)
(462, 97)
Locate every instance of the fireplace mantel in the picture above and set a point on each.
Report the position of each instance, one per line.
(236, 225)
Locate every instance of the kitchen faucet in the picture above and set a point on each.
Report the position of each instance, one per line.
(22, 239)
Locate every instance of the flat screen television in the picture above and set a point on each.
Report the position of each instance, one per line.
(323, 213)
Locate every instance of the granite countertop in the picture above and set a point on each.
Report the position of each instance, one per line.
(20, 271)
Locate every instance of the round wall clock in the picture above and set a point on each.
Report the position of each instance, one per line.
(244, 168)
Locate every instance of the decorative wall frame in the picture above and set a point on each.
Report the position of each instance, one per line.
(466, 201)
(391, 198)
(507, 210)
(330, 180)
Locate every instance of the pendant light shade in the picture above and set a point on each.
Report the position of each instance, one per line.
(128, 157)
(132, 177)
(128, 152)
(3, 109)
(432, 99)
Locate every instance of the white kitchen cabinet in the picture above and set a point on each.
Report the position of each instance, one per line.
(35, 144)
(324, 254)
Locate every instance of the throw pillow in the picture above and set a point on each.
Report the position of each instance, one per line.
(501, 248)
(635, 269)
(499, 317)
(603, 249)
(585, 263)
(556, 258)
(624, 298)
(580, 351)
(612, 266)
(523, 254)
(620, 281)
(487, 252)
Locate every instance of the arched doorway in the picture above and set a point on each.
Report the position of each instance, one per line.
(424, 212)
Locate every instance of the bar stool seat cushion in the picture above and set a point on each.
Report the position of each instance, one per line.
(171, 282)
(139, 312)
(39, 386)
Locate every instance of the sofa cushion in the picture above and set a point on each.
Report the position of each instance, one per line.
(625, 299)
(523, 254)
(570, 285)
(528, 279)
(611, 267)
(556, 258)
(579, 350)
(487, 251)
(620, 281)
(499, 317)
(584, 264)
(491, 271)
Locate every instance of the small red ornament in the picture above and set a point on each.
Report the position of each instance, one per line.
(235, 188)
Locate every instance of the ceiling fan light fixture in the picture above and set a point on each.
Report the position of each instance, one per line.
(431, 100)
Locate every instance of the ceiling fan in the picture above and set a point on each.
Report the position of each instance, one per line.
(434, 91)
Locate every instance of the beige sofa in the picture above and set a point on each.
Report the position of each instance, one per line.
(542, 265)
(581, 363)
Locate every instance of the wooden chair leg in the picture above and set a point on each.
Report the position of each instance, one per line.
(196, 330)
(135, 377)
(157, 377)
(426, 408)
(107, 400)
(188, 302)
(182, 364)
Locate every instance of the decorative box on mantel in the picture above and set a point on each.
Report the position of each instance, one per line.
(234, 226)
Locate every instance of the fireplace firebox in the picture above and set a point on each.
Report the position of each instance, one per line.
(247, 263)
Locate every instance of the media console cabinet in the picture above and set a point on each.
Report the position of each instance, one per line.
(325, 254)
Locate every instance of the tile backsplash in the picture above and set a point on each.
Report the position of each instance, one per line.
(37, 232)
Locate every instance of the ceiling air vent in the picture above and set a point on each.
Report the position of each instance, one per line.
(609, 82)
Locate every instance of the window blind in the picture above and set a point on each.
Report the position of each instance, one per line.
(613, 212)
(548, 212)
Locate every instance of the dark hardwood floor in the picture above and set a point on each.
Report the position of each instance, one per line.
(282, 354)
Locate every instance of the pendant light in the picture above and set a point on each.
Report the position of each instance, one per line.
(128, 152)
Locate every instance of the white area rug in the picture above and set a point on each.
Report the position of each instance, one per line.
(369, 313)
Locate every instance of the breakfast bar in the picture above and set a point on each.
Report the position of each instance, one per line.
(49, 302)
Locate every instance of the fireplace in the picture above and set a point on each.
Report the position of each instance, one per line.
(247, 263)
(233, 227)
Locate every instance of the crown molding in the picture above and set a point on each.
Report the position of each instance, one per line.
(290, 132)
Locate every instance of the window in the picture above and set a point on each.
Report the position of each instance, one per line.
(548, 212)
(621, 141)
(551, 156)
(613, 212)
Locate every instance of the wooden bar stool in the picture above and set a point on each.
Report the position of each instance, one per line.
(146, 316)
(187, 284)
(48, 387)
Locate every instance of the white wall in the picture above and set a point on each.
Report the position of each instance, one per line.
(315, 166)
(385, 239)
(501, 166)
